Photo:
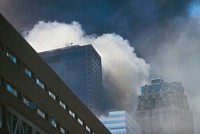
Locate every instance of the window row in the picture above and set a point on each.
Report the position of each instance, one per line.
(33, 106)
(39, 82)
(42, 114)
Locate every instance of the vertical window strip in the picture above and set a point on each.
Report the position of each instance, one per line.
(32, 105)
(52, 95)
(72, 114)
(87, 128)
(40, 113)
(80, 121)
(13, 58)
(62, 130)
(28, 72)
(53, 122)
(39, 83)
(28, 103)
(11, 90)
(62, 104)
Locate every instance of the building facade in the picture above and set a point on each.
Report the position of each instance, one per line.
(163, 108)
(80, 68)
(119, 122)
(33, 99)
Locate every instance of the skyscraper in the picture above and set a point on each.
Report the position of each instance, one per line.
(163, 108)
(33, 99)
(80, 68)
(119, 122)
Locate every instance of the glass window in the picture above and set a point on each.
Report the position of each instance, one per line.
(80, 121)
(87, 128)
(62, 130)
(53, 122)
(52, 95)
(26, 101)
(62, 104)
(72, 114)
(13, 58)
(40, 83)
(11, 90)
(28, 72)
(40, 113)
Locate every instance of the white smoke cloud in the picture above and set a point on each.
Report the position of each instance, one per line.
(178, 59)
(123, 71)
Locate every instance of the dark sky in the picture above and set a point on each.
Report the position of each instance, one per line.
(129, 18)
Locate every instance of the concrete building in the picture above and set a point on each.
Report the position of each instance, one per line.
(80, 68)
(119, 122)
(163, 108)
(33, 99)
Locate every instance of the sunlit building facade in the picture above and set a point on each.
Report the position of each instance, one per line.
(163, 108)
(119, 122)
(80, 68)
(33, 99)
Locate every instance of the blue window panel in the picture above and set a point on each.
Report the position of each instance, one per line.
(40, 83)
(28, 72)
(53, 122)
(165, 87)
(157, 86)
(11, 90)
(37, 81)
(32, 105)
(142, 89)
(150, 89)
(12, 57)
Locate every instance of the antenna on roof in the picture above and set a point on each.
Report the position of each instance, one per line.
(68, 44)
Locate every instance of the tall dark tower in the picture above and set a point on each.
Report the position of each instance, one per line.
(163, 108)
(80, 68)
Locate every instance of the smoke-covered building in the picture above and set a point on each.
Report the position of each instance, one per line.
(33, 99)
(80, 68)
(163, 108)
(119, 122)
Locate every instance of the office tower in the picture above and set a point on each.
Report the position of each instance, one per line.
(163, 108)
(119, 122)
(80, 68)
(33, 99)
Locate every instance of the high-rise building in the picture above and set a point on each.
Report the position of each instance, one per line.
(119, 122)
(163, 108)
(33, 99)
(80, 68)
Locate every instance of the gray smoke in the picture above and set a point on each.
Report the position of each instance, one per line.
(162, 32)
(123, 71)
(129, 18)
(177, 58)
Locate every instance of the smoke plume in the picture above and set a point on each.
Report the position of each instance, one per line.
(129, 18)
(123, 71)
(177, 57)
